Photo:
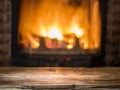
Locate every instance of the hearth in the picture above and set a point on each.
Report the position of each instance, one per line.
(58, 32)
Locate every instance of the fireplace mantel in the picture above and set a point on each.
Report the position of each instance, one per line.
(56, 78)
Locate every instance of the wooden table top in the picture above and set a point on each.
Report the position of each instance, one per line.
(59, 78)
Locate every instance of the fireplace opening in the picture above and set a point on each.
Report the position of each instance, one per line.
(58, 32)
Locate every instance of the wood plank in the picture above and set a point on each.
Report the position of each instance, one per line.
(59, 78)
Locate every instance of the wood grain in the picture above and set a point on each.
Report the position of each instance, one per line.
(60, 78)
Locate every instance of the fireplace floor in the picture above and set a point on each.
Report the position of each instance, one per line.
(59, 78)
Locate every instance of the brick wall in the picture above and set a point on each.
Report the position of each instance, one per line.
(5, 29)
(113, 33)
(112, 41)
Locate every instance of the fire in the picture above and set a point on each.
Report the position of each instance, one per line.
(43, 31)
(33, 41)
(69, 46)
(59, 24)
(85, 46)
(54, 32)
(77, 31)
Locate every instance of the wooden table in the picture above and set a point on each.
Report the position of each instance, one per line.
(59, 78)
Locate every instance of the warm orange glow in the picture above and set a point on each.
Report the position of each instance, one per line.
(76, 29)
(35, 44)
(71, 41)
(43, 31)
(33, 41)
(69, 46)
(85, 46)
(60, 24)
(54, 32)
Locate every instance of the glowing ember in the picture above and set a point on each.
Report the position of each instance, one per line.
(33, 41)
(85, 46)
(69, 46)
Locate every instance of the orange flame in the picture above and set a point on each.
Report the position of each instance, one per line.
(33, 41)
(55, 32)
(70, 46)
(55, 19)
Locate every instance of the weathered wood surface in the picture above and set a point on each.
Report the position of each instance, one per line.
(51, 78)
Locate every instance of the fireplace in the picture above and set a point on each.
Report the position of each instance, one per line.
(58, 32)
